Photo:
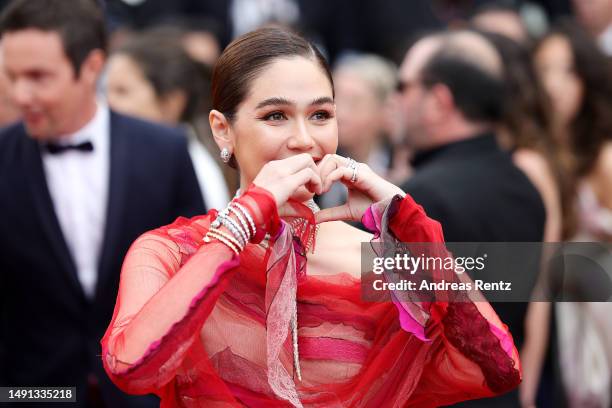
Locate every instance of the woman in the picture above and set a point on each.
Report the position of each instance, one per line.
(526, 131)
(150, 76)
(226, 309)
(576, 76)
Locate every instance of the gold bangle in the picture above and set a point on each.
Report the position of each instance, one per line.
(224, 239)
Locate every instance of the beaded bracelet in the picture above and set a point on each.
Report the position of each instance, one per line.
(240, 233)
(224, 238)
(247, 215)
(240, 218)
(231, 225)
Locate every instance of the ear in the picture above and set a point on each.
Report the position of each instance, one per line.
(440, 103)
(172, 106)
(92, 66)
(221, 130)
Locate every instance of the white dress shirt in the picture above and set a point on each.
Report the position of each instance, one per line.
(605, 40)
(210, 177)
(78, 184)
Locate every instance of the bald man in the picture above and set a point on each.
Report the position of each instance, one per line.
(452, 96)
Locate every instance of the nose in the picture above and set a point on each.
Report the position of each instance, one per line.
(22, 93)
(301, 138)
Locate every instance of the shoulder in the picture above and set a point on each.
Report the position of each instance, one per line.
(430, 192)
(13, 139)
(604, 161)
(12, 133)
(186, 234)
(530, 161)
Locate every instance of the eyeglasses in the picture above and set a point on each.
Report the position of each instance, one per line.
(403, 85)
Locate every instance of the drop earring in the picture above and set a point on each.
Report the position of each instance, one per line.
(225, 155)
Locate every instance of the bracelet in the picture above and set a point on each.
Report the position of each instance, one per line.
(229, 241)
(234, 228)
(245, 226)
(247, 215)
(227, 236)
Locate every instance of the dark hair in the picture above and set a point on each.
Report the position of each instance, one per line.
(592, 125)
(477, 93)
(528, 118)
(497, 6)
(168, 67)
(248, 55)
(527, 112)
(80, 24)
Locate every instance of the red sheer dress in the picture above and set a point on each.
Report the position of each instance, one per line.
(201, 327)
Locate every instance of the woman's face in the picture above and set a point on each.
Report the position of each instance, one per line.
(554, 62)
(289, 110)
(129, 91)
(360, 116)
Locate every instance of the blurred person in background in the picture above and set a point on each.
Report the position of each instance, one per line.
(9, 112)
(152, 77)
(576, 76)
(83, 182)
(198, 35)
(363, 84)
(502, 18)
(526, 131)
(452, 93)
(596, 17)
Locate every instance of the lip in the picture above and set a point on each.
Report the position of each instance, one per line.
(317, 159)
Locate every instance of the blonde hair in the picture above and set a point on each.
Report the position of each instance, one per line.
(378, 72)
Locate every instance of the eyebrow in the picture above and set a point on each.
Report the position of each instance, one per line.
(283, 102)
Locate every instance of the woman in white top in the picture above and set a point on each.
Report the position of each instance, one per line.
(151, 76)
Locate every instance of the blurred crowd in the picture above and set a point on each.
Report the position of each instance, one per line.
(495, 115)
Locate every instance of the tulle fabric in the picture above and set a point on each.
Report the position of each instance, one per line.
(201, 327)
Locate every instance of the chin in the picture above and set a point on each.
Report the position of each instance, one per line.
(302, 194)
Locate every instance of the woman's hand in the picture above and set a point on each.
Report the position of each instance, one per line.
(367, 189)
(282, 178)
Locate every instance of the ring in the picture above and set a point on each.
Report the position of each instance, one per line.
(352, 164)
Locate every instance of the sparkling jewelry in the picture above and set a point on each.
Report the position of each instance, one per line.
(247, 215)
(233, 226)
(224, 239)
(294, 337)
(353, 165)
(225, 155)
(232, 239)
(241, 219)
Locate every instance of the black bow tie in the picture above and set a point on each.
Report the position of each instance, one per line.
(55, 148)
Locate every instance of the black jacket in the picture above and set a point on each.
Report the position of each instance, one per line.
(476, 192)
(49, 330)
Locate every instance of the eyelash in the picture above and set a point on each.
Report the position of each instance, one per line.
(269, 116)
(326, 114)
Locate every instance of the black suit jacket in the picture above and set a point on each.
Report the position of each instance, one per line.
(477, 194)
(49, 329)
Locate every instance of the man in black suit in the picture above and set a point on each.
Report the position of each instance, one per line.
(78, 184)
(452, 98)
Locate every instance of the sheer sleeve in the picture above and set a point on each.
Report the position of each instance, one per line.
(472, 354)
(170, 282)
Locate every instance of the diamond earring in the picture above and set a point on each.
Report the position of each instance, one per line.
(225, 155)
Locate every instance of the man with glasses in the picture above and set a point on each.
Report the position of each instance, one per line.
(452, 96)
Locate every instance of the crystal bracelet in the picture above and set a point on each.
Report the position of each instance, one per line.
(235, 229)
(247, 215)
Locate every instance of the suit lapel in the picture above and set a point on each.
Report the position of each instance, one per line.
(37, 183)
(119, 165)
